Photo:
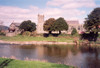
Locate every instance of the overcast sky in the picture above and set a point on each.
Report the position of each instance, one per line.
(20, 10)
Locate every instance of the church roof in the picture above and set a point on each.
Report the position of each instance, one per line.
(74, 22)
(16, 24)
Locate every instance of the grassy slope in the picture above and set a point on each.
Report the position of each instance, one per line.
(28, 38)
(32, 64)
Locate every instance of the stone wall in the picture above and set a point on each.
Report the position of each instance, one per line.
(11, 34)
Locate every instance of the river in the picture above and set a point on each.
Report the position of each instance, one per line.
(82, 57)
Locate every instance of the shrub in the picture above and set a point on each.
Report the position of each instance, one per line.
(34, 33)
(1, 33)
(26, 33)
(74, 31)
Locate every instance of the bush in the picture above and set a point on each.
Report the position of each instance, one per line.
(1, 33)
(34, 33)
(74, 31)
(26, 33)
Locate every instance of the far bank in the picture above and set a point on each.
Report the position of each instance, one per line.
(19, 39)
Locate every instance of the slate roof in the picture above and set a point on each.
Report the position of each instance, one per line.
(74, 22)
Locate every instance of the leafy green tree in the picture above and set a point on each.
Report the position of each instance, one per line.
(48, 25)
(92, 23)
(60, 25)
(74, 31)
(28, 26)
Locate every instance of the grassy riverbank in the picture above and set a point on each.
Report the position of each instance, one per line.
(39, 38)
(9, 63)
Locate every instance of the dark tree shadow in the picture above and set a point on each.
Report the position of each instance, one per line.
(89, 36)
(52, 34)
(45, 35)
(55, 34)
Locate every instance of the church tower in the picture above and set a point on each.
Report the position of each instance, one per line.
(40, 24)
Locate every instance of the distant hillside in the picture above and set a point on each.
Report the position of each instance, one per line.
(3, 27)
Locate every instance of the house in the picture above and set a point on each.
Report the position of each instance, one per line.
(14, 27)
(13, 30)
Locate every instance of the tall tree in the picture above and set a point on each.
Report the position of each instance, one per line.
(48, 25)
(92, 23)
(28, 26)
(60, 25)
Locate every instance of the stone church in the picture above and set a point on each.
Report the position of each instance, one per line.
(72, 24)
(14, 27)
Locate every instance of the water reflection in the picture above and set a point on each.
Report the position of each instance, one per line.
(83, 57)
(93, 58)
(56, 51)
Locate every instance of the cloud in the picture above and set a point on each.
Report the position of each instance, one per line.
(9, 14)
(72, 3)
(69, 9)
(73, 9)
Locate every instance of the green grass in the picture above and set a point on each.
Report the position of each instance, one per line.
(32, 64)
(1, 60)
(40, 38)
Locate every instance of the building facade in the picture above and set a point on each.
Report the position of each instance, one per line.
(14, 27)
(72, 24)
(13, 30)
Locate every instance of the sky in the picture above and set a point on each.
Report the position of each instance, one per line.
(21, 10)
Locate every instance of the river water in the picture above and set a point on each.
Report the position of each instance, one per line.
(82, 57)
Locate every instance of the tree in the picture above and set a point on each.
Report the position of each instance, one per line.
(74, 31)
(60, 25)
(28, 26)
(92, 23)
(48, 25)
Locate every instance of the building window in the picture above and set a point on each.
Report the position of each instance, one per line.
(78, 27)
